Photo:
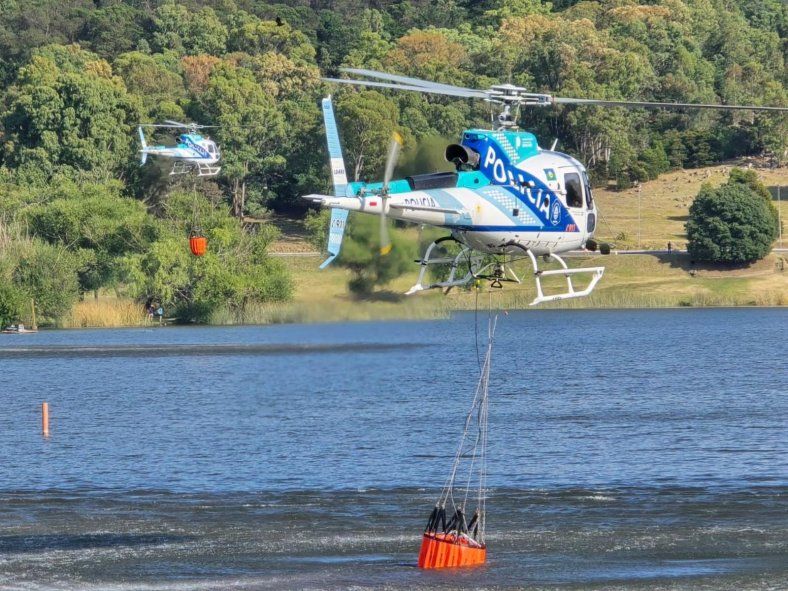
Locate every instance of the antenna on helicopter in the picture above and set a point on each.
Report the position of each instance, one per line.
(512, 97)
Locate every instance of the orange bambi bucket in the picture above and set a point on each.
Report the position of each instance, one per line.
(198, 245)
(440, 550)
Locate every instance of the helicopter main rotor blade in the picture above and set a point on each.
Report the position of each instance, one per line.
(659, 105)
(406, 80)
(499, 94)
(459, 92)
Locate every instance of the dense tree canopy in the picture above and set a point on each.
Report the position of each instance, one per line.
(156, 59)
(77, 76)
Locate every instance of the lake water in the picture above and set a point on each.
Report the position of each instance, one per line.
(628, 450)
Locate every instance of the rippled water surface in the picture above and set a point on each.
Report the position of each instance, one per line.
(628, 450)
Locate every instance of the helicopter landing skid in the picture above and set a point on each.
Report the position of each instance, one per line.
(566, 272)
(185, 167)
(499, 272)
(454, 261)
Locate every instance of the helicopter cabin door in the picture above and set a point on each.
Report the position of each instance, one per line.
(575, 197)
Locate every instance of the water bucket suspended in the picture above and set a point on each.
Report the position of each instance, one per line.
(449, 540)
(442, 550)
(198, 244)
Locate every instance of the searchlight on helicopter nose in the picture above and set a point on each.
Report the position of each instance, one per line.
(193, 152)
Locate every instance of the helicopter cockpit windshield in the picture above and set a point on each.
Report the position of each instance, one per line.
(589, 195)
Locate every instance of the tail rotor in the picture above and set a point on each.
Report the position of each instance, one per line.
(391, 163)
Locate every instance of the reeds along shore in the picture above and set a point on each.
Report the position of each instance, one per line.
(630, 281)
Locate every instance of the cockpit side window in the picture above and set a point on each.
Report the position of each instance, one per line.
(574, 190)
(211, 149)
(589, 196)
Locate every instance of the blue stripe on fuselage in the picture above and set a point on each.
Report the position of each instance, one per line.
(473, 228)
(539, 199)
(197, 148)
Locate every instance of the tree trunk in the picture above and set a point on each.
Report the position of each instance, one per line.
(359, 166)
(236, 198)
(239, 193)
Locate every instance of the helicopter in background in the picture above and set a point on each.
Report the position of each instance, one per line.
(193, 152)
(509, 199)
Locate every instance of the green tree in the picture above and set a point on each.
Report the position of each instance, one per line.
(500, 10)
(367, 120)
(67, 111)
(655, 160)
(96, 223)
(151, 78)
(361, 254)
(187, 31)
(12, 303)
(250, 128)
(730, 224)
(48, 274)
(258, 36)
(235, 272)
(113, 29)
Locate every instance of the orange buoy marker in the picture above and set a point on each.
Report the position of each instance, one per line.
(449, 540)
(198, 245)
(45, 419)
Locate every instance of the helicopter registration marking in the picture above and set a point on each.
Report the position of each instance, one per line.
(338, 170)
(503, 175)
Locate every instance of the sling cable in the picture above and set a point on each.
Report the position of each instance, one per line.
(450, 539)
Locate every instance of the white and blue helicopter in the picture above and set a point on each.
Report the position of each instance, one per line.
(193, 152)
(509, 199)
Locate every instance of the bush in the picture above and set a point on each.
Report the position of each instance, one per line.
(361, 254)
(316, 224)
(12, 302)
(236, 270)
(654, 161)
(730, 224)
(48, 274)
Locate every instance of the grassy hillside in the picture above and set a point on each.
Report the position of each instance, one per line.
(664, 205)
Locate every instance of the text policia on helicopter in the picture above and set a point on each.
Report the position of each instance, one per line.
(509, 200)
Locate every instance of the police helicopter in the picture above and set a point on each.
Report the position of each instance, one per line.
(508, 200)
(193, 152)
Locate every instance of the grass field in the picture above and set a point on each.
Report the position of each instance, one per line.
(664, 206)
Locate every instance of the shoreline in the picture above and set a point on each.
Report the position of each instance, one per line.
(428, 314)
